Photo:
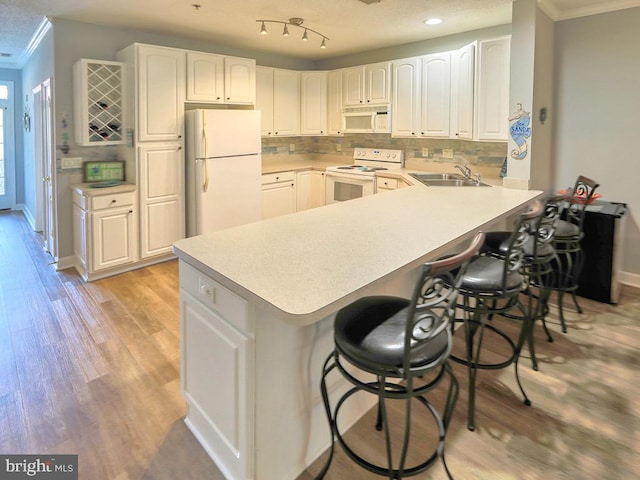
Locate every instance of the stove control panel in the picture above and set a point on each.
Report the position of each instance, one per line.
(378, 154)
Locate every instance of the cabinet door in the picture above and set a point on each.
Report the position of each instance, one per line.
(406, 98)
(286, 103)
(335, 104)
(264, 99)
(278, 199)
(462, 77)
(161, 183)
(112, 233)
(161, 80)
(353, 86)
(435, 117)
(205, 77)
(493, 89)
(216, 357)
(80, 236)
(309, 190)
(313, 108)
(378, 82)
(240, 80)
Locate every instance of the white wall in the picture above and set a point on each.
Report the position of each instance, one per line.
(597, 107)
(39, 68)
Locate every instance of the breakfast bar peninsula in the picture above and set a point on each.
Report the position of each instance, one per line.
(257, 308)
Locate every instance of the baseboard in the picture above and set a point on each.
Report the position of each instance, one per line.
(631, 279)
(28, 215)
(64, 263)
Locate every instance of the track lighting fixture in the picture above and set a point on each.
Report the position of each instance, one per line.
(296, 22)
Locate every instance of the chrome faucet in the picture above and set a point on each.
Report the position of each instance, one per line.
(466, 171)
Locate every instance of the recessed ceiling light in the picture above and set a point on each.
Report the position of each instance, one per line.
(433, 21)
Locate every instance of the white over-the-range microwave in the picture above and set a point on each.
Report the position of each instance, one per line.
(367, 119)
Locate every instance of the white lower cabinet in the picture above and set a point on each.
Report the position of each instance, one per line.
(278, 194)
(216, 352)
(309, 189)
(161, 174)
(104, 232)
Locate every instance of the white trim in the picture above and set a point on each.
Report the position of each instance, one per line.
(549, 7)
(631, 279)
(39, 34)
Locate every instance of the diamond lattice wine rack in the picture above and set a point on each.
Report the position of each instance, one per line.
(98, 104)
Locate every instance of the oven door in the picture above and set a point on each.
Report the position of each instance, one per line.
(341, 187)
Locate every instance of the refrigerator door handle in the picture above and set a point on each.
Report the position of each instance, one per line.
(205, 183)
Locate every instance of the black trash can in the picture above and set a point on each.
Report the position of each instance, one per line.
(601, 245)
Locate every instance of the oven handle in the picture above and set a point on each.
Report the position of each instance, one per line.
(349, 176)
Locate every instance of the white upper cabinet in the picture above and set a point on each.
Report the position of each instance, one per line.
(161, 92)
(313, 103)
(205, 77)
(367, 84)
(492, 107)
(378, 82)
(334, 102)
(215, 78)
(462, 89)
(264, 99)
(278, 99)
(286, 103)
(435, 118)
(240, 80)
(406, 98)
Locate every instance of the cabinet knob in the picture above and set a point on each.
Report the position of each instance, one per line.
(113, 201)
(217, 98)
(228, 98)
(130, 211)
(179, 148)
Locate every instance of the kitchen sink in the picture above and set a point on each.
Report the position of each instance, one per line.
(446, 180)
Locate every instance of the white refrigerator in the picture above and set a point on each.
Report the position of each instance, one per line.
(223, 169)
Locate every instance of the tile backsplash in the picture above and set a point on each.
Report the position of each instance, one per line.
(488, 156)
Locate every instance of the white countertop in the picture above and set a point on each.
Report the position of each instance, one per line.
(307, 265)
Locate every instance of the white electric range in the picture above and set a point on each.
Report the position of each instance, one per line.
(346, 182)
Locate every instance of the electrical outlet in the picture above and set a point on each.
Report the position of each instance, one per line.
(71, 162)
(338, 147)
(425, 152)
(447, 153)
(292, 147)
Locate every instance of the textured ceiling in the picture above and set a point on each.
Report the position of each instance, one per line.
(351, 25)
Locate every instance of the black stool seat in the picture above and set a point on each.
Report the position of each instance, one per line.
(405, 343)
(485, 275)
(497, 243)
(380, 339)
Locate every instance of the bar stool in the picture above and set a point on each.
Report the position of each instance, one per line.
(569, 233)
(492, 286)
(537, 268)
(405, 343)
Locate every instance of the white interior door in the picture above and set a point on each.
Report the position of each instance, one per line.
(49, 168)
(7, 149)
(38, 152)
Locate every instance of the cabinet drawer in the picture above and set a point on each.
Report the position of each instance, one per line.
(113, 200)
(232, 308)
(387, 183)
(278, 177)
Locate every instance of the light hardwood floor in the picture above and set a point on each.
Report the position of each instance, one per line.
(93, 369)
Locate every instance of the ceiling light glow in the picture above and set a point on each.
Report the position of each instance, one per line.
(433, 21)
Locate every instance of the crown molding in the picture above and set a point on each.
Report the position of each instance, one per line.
(549, 7)
(37, 37)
